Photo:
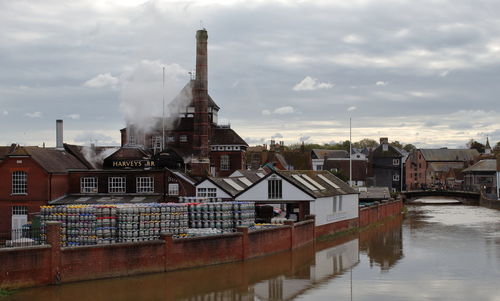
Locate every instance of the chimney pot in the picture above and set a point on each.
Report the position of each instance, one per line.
(384, 140)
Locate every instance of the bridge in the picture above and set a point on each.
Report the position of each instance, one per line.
(464, 197)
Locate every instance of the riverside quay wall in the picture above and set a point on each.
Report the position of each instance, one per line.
(53, 264)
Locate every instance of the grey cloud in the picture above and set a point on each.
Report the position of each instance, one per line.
(446, 48)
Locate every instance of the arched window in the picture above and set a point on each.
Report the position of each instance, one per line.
(19, 182)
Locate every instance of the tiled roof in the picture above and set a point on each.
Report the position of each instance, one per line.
(226, 136)
(317, 176)
(128, 153)
(445, 166)
(328, 153)
(449, 154)
(98, 153)
(53, 160)
(489, 165)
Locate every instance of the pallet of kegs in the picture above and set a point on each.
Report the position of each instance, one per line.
(147, 221)
(223, 216)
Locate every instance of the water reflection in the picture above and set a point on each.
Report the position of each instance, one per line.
(384, 245)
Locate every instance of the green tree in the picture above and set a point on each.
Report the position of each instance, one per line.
(366, 142)
(397, 144)
(409, 147)
(496, 149)
(473, 144)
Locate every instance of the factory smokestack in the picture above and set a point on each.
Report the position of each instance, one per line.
(59, 134)
(201, 162)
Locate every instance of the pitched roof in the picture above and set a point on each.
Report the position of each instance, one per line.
(53, 160)
(449, 154)
(185, 98)
(329, 153)
(226, 136)
(252, 175)
(128, 153)
(231, 185)
(445, 166)
(319, 177)
(392, 152)
(92, 157)
(488, 165)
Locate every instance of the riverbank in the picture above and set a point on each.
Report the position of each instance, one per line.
(53, 264)
(488, 202)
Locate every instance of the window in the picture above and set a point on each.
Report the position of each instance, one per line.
(395, 161)
(170, 139)
(319, 167)
(395, 177)
(144, 185)
(274, 189)
(156, 143)
(19, 182)
(131, 138)
(340, 202)
(19, 210)
(183, 138)
(385, 147)
(173, 189)
(224, 162)
(88, 185)
(116, 185)
(206, 192)
(334, 204)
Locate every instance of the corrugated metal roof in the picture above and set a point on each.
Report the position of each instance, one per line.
(449, 154)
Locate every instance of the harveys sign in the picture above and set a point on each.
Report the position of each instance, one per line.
(131, 163)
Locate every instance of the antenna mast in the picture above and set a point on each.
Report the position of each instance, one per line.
(350, 152)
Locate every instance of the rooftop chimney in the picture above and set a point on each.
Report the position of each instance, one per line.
(384, 140)
(59, 134)
(200, 164)
(201, 125)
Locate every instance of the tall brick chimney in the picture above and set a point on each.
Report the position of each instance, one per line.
(201, 162)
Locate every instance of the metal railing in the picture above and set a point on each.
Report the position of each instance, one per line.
(24, 237)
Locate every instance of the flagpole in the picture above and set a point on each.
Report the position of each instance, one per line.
(350, 152)
(163, 111)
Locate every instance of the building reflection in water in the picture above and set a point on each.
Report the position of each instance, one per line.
(328, 263)
(384, 245)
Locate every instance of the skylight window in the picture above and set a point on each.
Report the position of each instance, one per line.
(304, 182)
(260, 175)
(233, 184)
(322, 177)
(318, 185)
(245, 181)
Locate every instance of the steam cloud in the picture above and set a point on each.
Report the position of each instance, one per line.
(141, 93)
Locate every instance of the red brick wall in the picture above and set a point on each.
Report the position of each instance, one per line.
(375, 213)
(195, 252)
(25, 267)
(269, 241)
(336, 227)
(38, 190)
(302, 232)
(236, 161)
(101, 261)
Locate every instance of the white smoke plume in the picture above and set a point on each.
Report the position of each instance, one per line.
(142, 92)
(96, 158)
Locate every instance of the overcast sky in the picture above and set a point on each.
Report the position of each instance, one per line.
(422, 72)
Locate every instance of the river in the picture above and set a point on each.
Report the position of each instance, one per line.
(437, 252)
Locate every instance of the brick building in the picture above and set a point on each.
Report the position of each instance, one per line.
(428, 168)
(31, 177)
(194, 135)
